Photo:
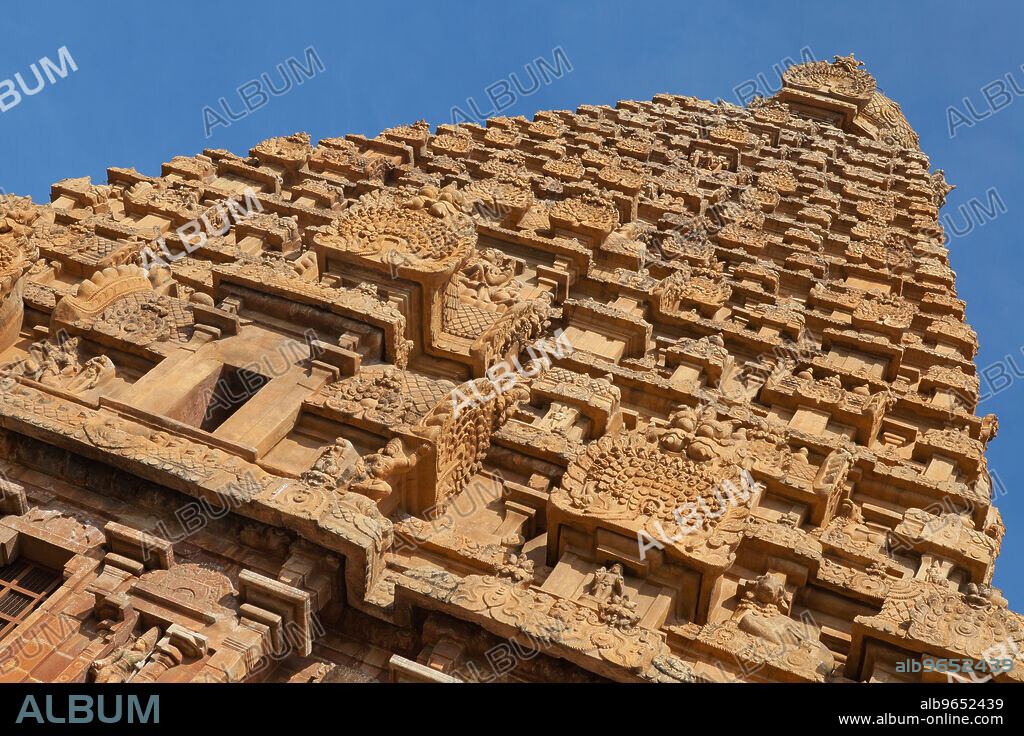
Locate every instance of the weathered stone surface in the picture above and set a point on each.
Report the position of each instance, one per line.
(671, 391)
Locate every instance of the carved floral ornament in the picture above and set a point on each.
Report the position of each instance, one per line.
(930, 617)
(427, 231)
(386, 395)
(950, 531)
(453, 145)
(641, 481)
(953, 378)
(888, 310)
(736, 134)
(688, 288)
(751, 239)
(893, 128)
(889, 252)
(63, 525)
(499, 196)
(768, 111)
(588, 212)
(622, 178)
(293, 150)
(500, 138)
(19, 218)
(196, 584)
(146, 320)
(580, 386)
(507, 165)
(180, 201)
(969, 624)
(417, 132)
(567, 169)
(842, 77)
(780, 178)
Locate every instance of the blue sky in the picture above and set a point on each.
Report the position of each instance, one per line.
(147, 70)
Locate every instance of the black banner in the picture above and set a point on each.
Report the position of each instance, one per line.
(206, 707)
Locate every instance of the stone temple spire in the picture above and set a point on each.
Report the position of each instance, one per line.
(678, 390)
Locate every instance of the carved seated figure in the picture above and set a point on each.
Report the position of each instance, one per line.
(559, 420)
(50, 363)
(707, 160)
(94, 372)
(60, 365)
(850, 521)
(370, 476)
(124, 662)
(336, 458)
(762, 613)
(340, 467)
(489, 278)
